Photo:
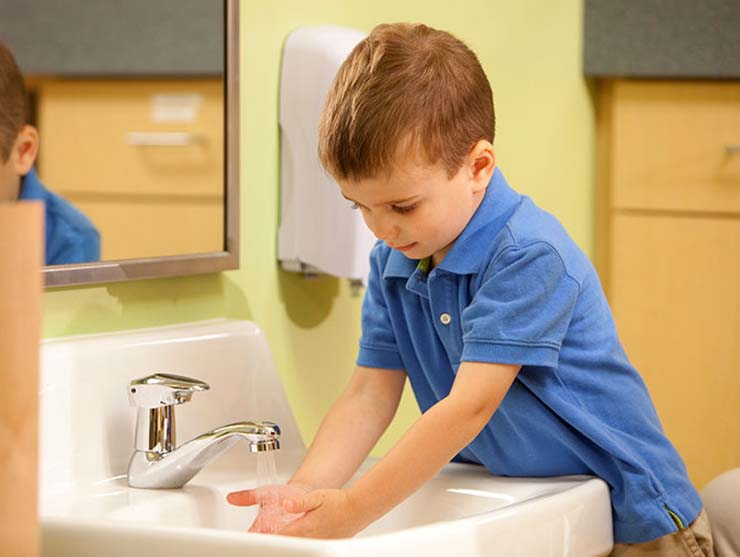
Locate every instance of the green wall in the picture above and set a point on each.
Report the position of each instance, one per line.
(531, 52)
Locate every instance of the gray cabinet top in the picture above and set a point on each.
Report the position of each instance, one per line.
(115, 37)
(662, 38)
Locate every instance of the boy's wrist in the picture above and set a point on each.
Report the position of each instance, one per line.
(360, 508)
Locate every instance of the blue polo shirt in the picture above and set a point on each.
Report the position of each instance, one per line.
(515, 289)
(70, 236)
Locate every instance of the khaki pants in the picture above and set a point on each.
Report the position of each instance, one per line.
(694, 541)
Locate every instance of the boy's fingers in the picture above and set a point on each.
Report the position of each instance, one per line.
(256, 525)
(242, 498)
(259, 525)
(303, 504)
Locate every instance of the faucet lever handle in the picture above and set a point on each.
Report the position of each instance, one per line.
(163, 389)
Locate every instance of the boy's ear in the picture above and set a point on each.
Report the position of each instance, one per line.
(25, 150)
(482, 163)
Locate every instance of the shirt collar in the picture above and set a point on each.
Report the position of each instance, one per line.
(463, 258)
(399, 266)
(31, 188)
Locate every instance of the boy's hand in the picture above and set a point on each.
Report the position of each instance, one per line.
(272, 515)
(329, 513)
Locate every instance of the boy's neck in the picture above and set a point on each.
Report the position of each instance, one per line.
(436, 258)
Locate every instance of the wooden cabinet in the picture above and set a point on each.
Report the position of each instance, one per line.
(143, 159)
(669, 254)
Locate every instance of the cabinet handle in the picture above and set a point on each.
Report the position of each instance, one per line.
(732, 149)
(163, 139)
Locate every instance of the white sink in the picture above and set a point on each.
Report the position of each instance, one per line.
(87, 509)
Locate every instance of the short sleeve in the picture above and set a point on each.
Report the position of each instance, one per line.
(522, 310)
(378, 346)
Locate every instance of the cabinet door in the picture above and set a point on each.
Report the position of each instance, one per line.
(675, 293)
(676, 146)
(103, 136)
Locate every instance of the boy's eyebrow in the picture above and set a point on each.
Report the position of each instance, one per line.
(387, 202)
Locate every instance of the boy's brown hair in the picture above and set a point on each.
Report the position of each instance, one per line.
(13, 102)
(404, 87)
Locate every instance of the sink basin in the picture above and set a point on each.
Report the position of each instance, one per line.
(87, 508)
(464, 509)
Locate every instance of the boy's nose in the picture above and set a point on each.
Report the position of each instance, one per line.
(384, 230)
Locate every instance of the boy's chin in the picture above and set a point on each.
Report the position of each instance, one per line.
(419, 253)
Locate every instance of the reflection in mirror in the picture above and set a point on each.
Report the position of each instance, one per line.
(70, 235)
(122, 132)
(156, 187)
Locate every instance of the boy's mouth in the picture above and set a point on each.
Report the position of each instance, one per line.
(406, 247)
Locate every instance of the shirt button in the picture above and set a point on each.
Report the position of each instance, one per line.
(445, 319)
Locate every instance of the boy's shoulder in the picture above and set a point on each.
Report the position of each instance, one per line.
(60, 212)
(66, 215)
(70, 235)
(533, 230)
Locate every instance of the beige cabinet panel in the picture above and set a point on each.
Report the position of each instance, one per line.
(668, 251)
(157, 228)
(676, 145)
(675, 292)
(94, 136)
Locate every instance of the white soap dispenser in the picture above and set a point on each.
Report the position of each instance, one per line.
(319, 233)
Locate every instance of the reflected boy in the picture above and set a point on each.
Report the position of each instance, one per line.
(70, 236)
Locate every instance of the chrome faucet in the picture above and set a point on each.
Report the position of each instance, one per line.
(157, 461)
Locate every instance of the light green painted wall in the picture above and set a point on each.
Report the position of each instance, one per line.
(531, 51)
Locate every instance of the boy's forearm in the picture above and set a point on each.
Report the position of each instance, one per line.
(420, 454)
(339, 447)
(441, 433)
(348, 433)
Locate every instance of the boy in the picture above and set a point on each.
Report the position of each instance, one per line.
(483, 301)
(70, 236)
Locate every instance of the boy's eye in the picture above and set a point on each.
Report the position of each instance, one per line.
(404, 208)
(354, 206)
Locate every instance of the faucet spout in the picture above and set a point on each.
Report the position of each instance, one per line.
(262, 436)
(155, 469)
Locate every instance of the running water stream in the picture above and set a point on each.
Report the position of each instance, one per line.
(272, 517)
(269, 499)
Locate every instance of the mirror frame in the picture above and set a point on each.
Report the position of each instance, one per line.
(190, 264)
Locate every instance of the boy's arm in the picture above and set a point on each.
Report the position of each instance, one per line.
(347, 433)
(351, 428)
(432, 442)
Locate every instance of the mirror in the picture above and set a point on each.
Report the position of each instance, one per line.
(136, 108)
